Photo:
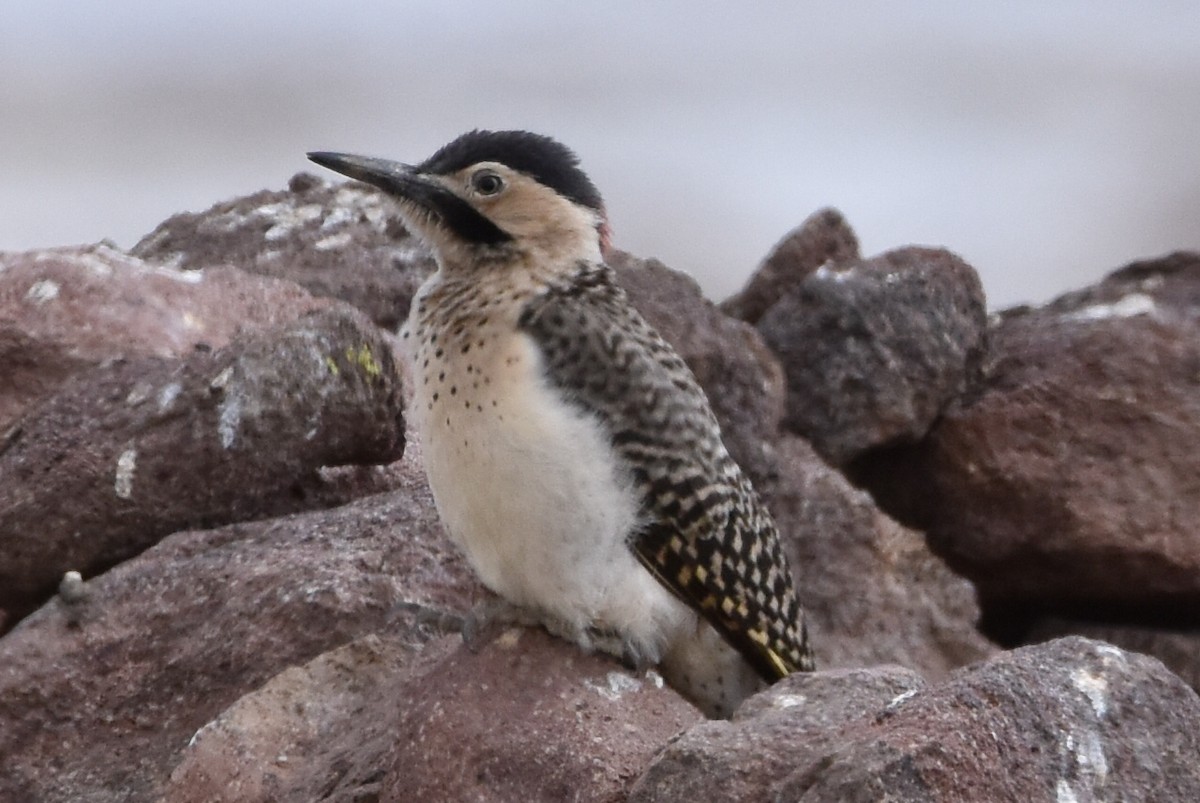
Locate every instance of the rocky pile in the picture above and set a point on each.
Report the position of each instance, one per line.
(210, 430)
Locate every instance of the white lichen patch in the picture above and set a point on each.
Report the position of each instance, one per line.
(96, 265)
(1064, 793)
(333, 241)
(167, 397)
(901, 698)
(788, 700)
(184, 276)
(826, 273)
(1094, 687)
(338, 216)
(224, 222)
(616, 685)
(42, 291)
(126, 463)
(139, 393)
(287, 217)
(369, 205)
(229, 418)
(1126, 307)
(1089, 755)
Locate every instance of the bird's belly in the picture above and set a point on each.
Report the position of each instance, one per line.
(531, 489)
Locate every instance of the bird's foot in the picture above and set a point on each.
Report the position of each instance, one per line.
(431, 616)
(491, 617)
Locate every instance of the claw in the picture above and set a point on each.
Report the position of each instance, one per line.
(487, 619)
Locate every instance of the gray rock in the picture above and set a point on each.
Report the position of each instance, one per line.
(65, 310)
(1070, 483)
(875, 350)
(795, 723)
(127, 453)
(530, 717)
(104, 710)
(873, 591)
(1071, 720)
(342, 241)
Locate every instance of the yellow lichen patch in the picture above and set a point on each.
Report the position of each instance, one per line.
(331, 364)
(365, 359)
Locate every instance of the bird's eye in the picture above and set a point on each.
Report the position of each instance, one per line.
(487, 182)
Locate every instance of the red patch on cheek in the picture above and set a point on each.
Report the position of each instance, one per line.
(602, 228)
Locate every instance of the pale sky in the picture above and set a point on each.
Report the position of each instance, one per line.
(1045, 142)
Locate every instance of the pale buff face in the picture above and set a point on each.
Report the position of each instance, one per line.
(547, 230)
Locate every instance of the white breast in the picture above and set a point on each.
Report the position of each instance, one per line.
(530, 489)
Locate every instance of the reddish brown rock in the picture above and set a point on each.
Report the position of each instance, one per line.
(873, 591)
(793, 724)
(740, 376)
(1071, 720)
(104, 709)
(1179, 650)
(529, 718)
(1071, 482)
(63, 310)
(306, 734)
(126, 454)
(823, 238)
(875, 350)
(341, 241)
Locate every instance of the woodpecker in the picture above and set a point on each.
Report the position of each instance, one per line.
(572, 455)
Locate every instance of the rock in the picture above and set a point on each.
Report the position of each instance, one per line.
(1071, 720)
(529, 717)
(341, 241)
(1070, 484)
(1179, 650)
(873, 591)
(794, 723)
(104, 710)
(303, 735)
(126, 454)
(823, 238)
(64, 310)
(740, 376)
(873, 351)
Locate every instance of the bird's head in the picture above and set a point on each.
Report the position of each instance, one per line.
(492, 194)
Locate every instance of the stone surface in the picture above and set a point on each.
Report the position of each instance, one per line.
(824, 237)
(1070, 483)
(529, 717)
(873, 591)
(740, 376)
(794, 723)
(1071, 720)
(321, 731)
(1179, 650)
(127, 453)
(64, 310)
(99, 700)
(875, 350)
(342, 241)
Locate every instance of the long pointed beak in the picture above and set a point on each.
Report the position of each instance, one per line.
(394, 177)
(408, 183)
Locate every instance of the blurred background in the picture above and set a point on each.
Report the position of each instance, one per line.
(1045, 142)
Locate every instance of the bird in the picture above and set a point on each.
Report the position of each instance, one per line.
(572, 455)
